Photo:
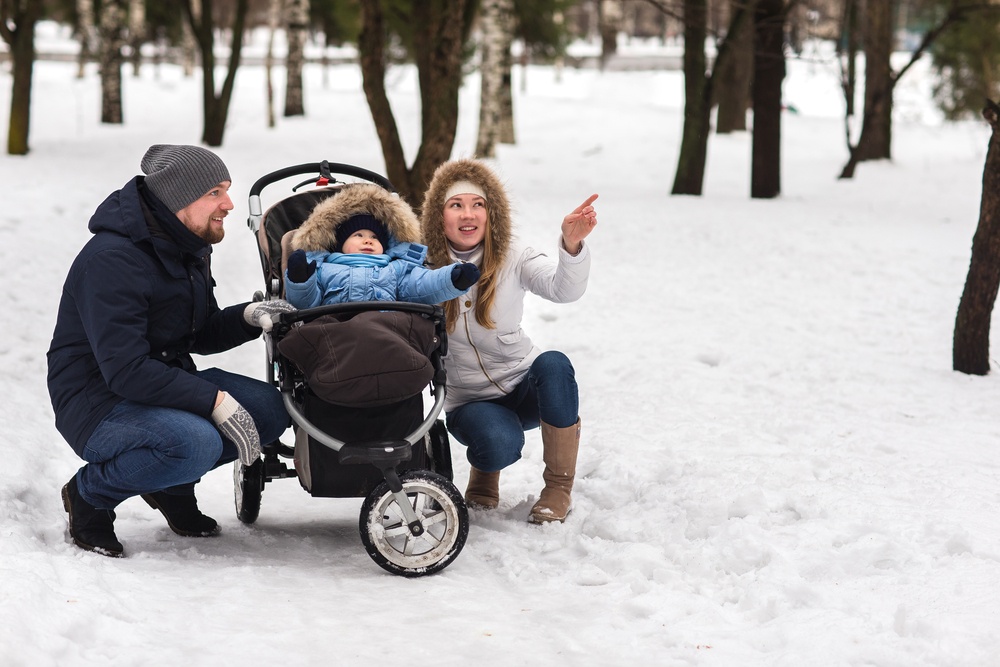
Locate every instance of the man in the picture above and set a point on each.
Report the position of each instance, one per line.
(138, 301)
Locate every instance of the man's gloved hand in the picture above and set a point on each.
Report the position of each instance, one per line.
(464, 276)
(299, 269)
(259, 313)
(236, 425)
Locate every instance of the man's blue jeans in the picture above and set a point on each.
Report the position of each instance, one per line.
(141, 449)
(494, 430)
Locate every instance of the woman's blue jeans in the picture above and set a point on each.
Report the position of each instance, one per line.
(141, 449)
(494, 430)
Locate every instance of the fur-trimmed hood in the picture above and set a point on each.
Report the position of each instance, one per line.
(318, 232)
(432, 211)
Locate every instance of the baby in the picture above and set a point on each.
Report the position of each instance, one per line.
(362, 245)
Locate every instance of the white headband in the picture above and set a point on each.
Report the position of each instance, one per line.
(464, 188)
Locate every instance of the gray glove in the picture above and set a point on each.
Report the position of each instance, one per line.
(259, 313)
(237, 426)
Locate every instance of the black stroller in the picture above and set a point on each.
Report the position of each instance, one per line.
(413, 520)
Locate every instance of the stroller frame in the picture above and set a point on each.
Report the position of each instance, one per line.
(411, 524)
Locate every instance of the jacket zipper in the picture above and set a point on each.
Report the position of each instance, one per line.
(482, 367)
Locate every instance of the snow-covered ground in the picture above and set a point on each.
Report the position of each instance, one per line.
(778, 466)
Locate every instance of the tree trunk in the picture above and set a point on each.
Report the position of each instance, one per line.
(438, 51)
(876, 129)
(273, 18)
(609, 17)
(849, 59)
(215, 107)
(189, 45)
(85, 33)
(17, 27)
(697, 92)
(136, 32)
(971, 345)
(733, 77)
(496, 23)
(440, 28)
(296, 25)
(769, 73)
(111, 35)
(371, 46)
(506, 135)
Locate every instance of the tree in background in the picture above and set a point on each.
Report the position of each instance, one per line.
(296, 30)
(85, 34)
(875, 141)
(215, 106)
(339, 22)
(699, 82)
(609, 21)
(435, 33)
(967, 62)
(111, 37)
(690, 175)
(732, 92)
(17, 27)
(768, 76)
(971, 343)
(136, 33)
(497, 30)
(273, 19)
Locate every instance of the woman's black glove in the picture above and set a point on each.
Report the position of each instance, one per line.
(299, 269)
(464, 276)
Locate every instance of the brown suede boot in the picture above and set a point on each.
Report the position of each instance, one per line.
(483, 492)
(560, 448)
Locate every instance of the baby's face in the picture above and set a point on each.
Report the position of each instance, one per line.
(362, 241)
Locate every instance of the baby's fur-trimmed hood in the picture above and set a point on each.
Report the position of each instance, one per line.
(318, 232)
(432, 211)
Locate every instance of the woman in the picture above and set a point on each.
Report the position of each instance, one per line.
(499, 383)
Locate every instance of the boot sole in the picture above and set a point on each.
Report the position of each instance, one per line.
(67, 505)
(183, 533)
(481, 506)
(547, 517)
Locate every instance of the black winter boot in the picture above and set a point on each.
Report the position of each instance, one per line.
(91, 529)
(182, 514)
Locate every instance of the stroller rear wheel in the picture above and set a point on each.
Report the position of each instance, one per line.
(442, 512)
(248, 485)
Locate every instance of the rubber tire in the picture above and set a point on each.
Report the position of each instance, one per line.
(436, 498)
(248, 486)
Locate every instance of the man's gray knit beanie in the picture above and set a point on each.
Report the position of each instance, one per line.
(179, 175)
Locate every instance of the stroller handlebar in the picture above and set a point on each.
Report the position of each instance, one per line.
(324, 174)
(324, 169)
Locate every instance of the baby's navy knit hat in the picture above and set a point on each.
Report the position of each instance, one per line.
(361, 221)
(179, 175)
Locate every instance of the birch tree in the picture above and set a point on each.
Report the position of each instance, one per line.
(136, 32)
(111, 37)
(85, 34)
(273, 19)
(296, 26)
(496, 23)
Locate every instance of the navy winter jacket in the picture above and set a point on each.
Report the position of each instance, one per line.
(137, 302)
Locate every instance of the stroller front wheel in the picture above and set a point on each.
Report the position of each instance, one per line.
(248, 485)
(442, 513)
